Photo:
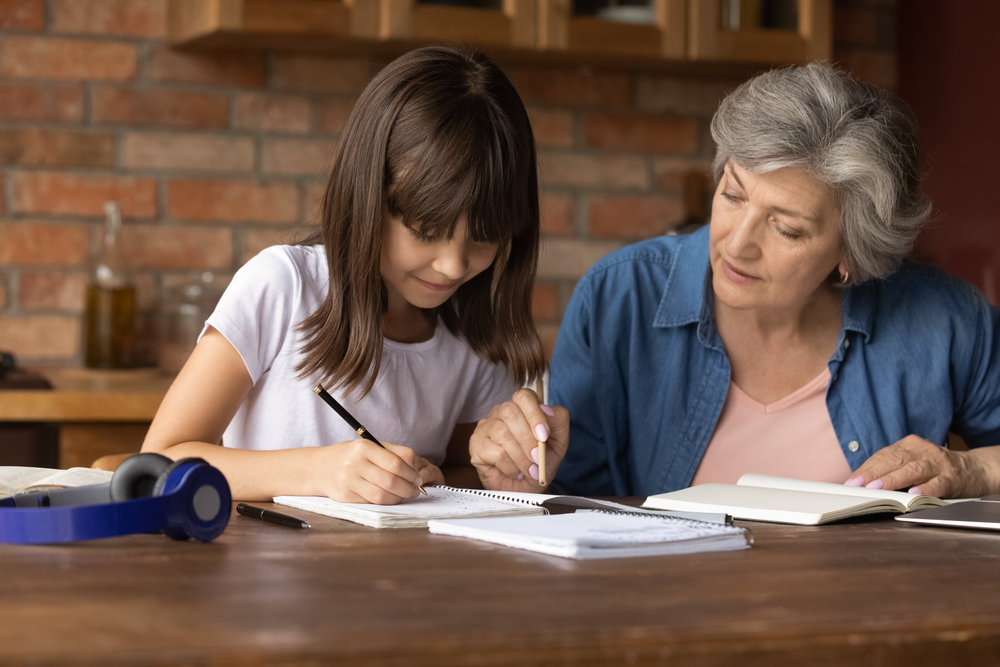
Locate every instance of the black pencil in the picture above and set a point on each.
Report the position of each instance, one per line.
(351, 421)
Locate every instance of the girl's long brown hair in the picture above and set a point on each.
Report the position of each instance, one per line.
(437, 133)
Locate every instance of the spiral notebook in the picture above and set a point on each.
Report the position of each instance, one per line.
(600, 534)
(445, 502)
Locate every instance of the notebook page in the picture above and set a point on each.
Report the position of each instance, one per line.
(771, 482)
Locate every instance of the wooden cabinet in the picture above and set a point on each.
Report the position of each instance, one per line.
(676, 32)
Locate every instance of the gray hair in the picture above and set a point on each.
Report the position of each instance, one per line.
(860, 141)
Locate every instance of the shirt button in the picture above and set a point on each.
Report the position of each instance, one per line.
(847, 343)
(853, 445)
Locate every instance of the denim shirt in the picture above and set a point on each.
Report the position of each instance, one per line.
(643, 371)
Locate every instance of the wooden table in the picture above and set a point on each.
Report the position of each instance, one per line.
(98, 412)
(871, 593)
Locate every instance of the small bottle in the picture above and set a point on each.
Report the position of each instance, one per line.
(111, 308)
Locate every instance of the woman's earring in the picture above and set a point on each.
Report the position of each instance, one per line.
(844, 277)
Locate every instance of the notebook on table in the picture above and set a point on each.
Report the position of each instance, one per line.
(783, 500)
(445, 502)
(599, 534)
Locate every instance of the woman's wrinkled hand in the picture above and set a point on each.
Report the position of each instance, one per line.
(504, 446)
(920, 466)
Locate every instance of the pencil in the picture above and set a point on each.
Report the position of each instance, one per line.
(351, 421)
(542, 481)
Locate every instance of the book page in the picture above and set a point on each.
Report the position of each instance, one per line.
(771, 482)
(18, 478)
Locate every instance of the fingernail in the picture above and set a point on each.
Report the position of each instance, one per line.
(547, 409)
(520, 475)
(533, 471)
(534, 454)
(855, 481)
(541, 432)
(916, 491)
(877, 484)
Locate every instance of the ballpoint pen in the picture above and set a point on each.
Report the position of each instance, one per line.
(349, 418)
(270, 516)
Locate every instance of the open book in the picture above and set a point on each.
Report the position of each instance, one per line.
(445, 502)
(600, 534)
(22, 479)
(783, 500)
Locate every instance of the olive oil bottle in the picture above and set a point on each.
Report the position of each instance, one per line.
(110, 325)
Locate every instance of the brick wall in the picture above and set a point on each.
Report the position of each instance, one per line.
(215, 156)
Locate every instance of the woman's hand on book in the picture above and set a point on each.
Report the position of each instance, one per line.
(359, 471)
(920, 466)
(504, 445)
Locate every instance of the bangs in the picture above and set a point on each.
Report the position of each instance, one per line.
(463, 162)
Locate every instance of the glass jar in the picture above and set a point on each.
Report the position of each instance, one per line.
(186, 307)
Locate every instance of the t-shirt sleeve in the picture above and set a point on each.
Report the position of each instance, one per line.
(494, 385)
(258, 309)
(977, 419)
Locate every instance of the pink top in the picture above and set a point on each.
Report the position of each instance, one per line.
(793, 437)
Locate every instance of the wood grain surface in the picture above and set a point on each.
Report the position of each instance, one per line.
(876, 592)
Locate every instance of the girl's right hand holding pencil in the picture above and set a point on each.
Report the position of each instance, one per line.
(504, 447)
(359, 471)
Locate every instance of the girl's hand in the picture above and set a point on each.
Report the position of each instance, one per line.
(504, 445)
(359, 471)
(920, 466)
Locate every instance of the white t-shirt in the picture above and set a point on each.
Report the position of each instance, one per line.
(422, 390)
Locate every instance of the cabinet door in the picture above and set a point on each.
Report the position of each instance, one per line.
(509, 23)
(655, 30)
(732, 30)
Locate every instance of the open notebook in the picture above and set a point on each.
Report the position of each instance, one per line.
(23, 479)
(783, 500)
(445, 502)
(600, 534)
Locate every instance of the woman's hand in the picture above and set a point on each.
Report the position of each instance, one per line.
(504, 446)
(359, 471)
(923, 467)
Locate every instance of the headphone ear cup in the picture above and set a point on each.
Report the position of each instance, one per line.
(137, 476)
(161, 481)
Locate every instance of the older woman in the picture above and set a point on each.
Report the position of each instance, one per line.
(789, 337)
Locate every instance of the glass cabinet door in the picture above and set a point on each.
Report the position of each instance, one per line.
(765, 31)
(647, 28)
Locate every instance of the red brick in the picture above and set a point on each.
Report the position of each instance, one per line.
(686, 97)
(572, 87)
(56, 148)
(669, 173)
(570, 258)
(331, 115)
(174, 247)
(855, 25)
(589, 170)
(636, 217)
(125, 106)
(3, 291)
(314, 202)
(310, 157)
(319, 75)
(39, 58)
(275, 113)
(875, 67)
(558, 214)
(233, 201)
(22, 14)
(256, 240)
(128, 18)
(3, 196)
(63, 291)
(42, 337)
(545, 302)
(42, 243)
(223, 69)
(199, 152)
(642, 132)
(548, 334)
(41, 103)
(551, 127)
(65, 194)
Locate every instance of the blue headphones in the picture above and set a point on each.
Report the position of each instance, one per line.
(148, 493)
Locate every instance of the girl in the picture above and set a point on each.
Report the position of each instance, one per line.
(411, 303)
